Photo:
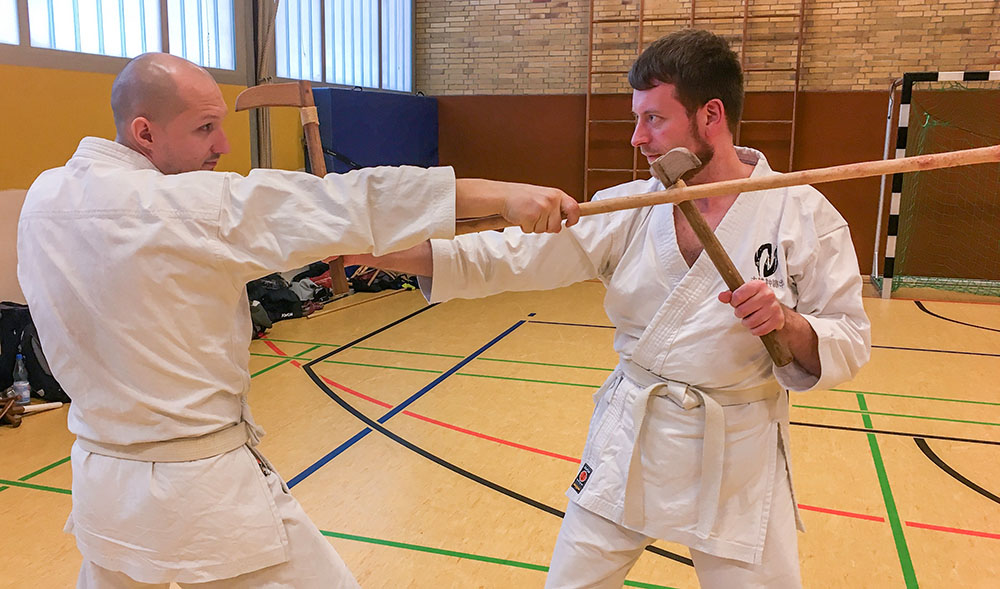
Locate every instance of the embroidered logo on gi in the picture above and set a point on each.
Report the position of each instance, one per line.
(766, 260)
(582, 478)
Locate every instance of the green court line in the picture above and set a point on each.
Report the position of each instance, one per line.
(44, 469)
(36, 487)
(546, 364)
(391, 543)
(572, 384)
(407, 352)
(275, 365)
(948, 419)
(437, 355)
(905, 562)
(465, 555)
(529, 362)
(383, 366)
(40, 471)
(554, 365)
(917, 397)
(514, 378)
(286, 359)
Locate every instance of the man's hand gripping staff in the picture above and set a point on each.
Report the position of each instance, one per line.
(669, 169)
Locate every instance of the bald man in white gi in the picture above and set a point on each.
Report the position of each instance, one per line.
(689, 438)
(134, 258)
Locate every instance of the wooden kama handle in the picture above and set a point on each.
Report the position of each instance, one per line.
(779, 352)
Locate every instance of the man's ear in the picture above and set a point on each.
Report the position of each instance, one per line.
(715, 112)
(142, 134)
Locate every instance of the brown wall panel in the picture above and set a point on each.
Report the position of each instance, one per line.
(537, 139)
(540, 139)
(840, 128)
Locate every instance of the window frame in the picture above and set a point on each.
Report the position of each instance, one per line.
(272, 72)
(23, 54)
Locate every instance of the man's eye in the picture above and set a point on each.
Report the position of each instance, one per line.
(206, 127)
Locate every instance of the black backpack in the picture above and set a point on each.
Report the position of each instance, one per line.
(13, 318)
(276, 297)
(18, 335)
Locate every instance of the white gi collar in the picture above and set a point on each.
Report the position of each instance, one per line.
(112, 152)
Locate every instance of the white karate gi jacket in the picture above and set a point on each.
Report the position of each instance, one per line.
(669, 322)
(136, 282)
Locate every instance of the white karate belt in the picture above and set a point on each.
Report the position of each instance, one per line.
(713, 450)
(184, 449)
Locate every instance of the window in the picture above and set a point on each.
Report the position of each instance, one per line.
(105, 27)
(397, 40)
(346, 42)
(297, 40)
(351, 40)
(8, 22)
(202, 31)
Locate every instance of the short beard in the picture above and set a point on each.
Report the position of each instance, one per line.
(703, 150)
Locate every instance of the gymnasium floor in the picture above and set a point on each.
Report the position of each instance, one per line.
(483, 407)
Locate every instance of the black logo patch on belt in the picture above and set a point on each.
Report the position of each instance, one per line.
(582, 478)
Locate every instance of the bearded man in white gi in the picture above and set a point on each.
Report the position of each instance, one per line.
(134, 258)
(689, 438)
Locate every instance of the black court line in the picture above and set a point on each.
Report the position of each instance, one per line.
(907, 349)
(922, 444)
(292, 482)
(893, 433)
(436, 459)
(921, 306)
(573, 324)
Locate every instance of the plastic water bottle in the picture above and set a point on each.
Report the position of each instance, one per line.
(22, 390)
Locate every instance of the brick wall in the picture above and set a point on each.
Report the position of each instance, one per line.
(540, 46)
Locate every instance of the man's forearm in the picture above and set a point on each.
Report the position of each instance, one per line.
(802, 341)
(417, 260)
(477, 198)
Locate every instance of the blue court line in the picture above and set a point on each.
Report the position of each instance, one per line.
(395, 410)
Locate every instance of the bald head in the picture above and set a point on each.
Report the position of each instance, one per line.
(171, 111)
(152, 86)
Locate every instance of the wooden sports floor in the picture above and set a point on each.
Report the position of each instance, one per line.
(481, 409)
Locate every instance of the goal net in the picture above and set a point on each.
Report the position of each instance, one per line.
(946, 223)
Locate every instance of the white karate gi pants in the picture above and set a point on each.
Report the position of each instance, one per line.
(595, 553)
(312, 562)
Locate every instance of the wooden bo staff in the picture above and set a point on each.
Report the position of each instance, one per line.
(12, 413)
(948, 159)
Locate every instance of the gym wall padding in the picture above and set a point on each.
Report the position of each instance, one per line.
(377, 128)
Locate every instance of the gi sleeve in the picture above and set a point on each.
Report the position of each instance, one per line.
(274, 220)
(487, 263)
(829, 297)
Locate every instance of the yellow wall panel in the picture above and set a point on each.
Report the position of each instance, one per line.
(47, 111)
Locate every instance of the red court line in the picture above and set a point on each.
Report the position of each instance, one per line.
(873, 518)
(953, 530)
(825, 510)
(491, 438)
(278, 351)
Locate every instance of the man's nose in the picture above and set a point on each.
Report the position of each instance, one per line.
(639, 136)
(221, 144)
